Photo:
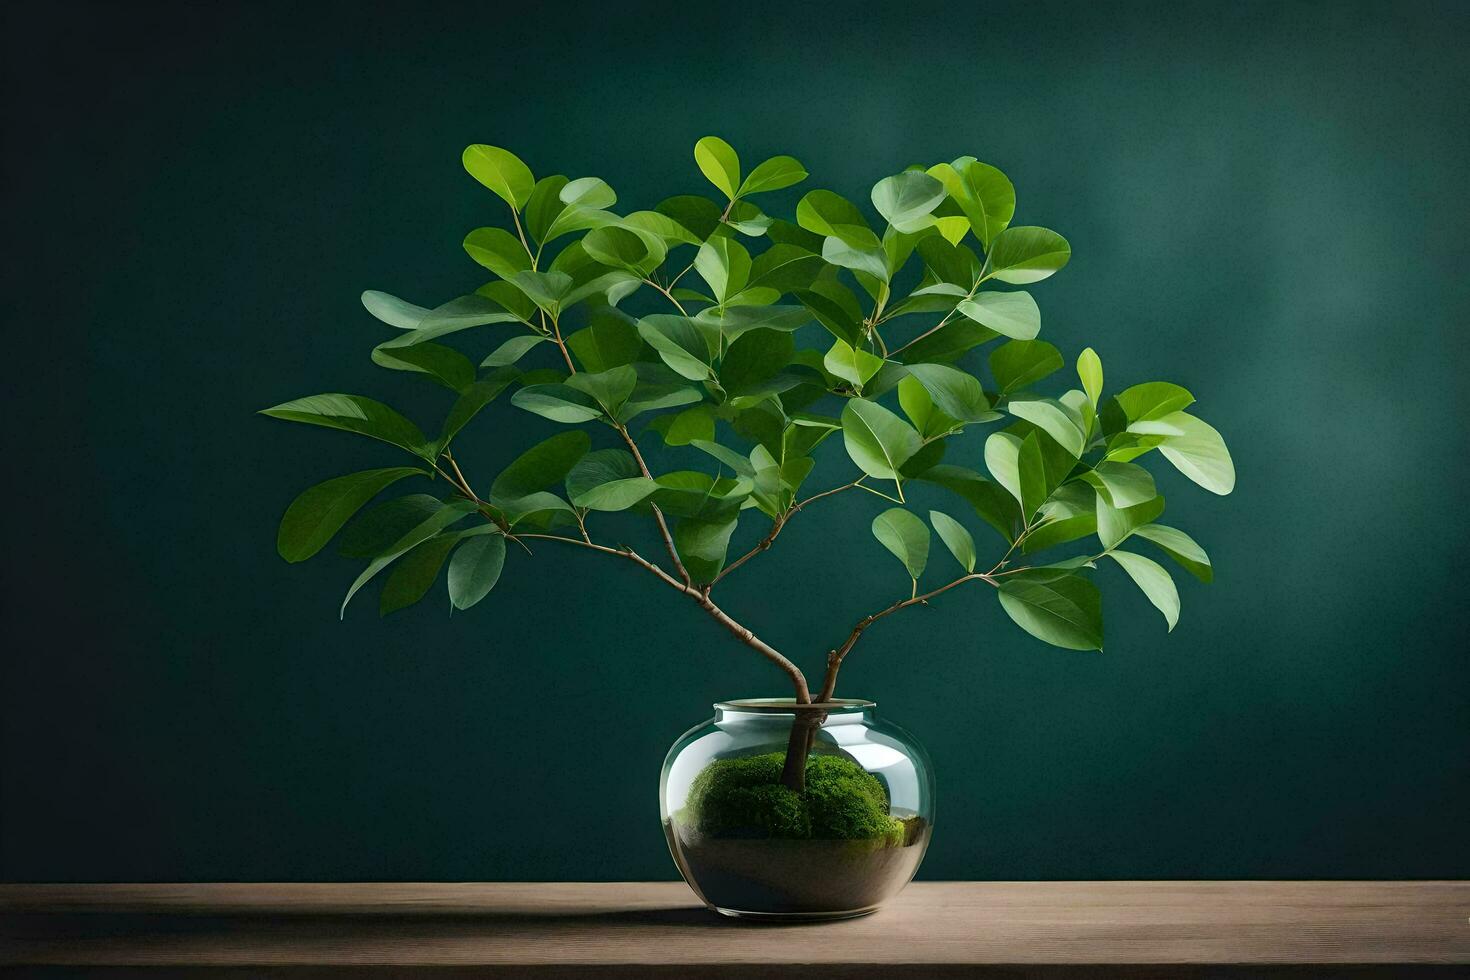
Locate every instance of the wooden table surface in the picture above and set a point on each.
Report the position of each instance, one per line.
(933, 930)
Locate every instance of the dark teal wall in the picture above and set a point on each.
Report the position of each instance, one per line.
(1266, 203)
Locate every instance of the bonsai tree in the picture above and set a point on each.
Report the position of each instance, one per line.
(743, 341)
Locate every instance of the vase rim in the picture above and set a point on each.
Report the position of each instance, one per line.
(789, 705)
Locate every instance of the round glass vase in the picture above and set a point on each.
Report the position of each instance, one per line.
(755, 840)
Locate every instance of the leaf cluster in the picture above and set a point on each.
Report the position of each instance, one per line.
(742, 341)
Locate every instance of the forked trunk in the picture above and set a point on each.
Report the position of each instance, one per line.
(803, 733)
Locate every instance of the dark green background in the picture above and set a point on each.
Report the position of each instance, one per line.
(1266, 203)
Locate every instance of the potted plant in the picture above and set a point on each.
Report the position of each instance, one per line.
(741, 342)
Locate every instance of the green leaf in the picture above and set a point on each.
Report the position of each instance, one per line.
(740, 464)
(1180, 547)
(955, 538)
(319, 512)
(719, 163)
(990, 500)
(446, 515)
(1025, 254)
(854, 366)
(609, 340)
(557, 402)
(474, 569)
(513, 350)
(544, 205)
(878, 441)
(611, 388)
(501, 171)
(657, 388)
(1153, 400)
(953, 228)
(984, 194)
(784, 268)
(955, 393)
(469, 403)
(1014, 315)
(1155, 583)
(833, 216)
(1115, 524)
(919, 408)
(545, 289)
(682, 429)
(724, 265)
(375, 529)
(1065, 612)
(542, 466)
(1069, 513)
(497, 250)
(755, 357)
(414, 574)
(1124, 484)
(835, 308)
(1199, 453)
(907, 199)
(1003, 460)
(736, 320)
(953, 265)
(574, 218)
(1018, 363)
(353, 413)
(773, 175)
(540, 509)
(588, 192)
(494, 302)
(699, 215)
(1053, 418)
(616, 494)
(702, 545)
(444, 365)
(598, 468)
(1089, 370)
(393, 311)
(1031, 473)
(948, 342)
(870, 260)
(623, 248)
(906, 536)
(681, 343)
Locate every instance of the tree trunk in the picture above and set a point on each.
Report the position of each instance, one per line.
(803, 733)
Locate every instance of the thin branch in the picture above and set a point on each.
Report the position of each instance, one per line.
(462, 481)
(520, 232)
(879, 493)
(778, 525)
(938, 326)
(556, 332)
(701, 598)
(658, 515)
(827, 493)
(835, 657)
(763, 545)
(669, 293)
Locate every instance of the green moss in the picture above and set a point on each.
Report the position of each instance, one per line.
(744, 798)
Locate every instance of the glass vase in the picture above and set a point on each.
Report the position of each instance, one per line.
(780, 810)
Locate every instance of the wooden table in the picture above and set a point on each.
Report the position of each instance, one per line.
(934, 930)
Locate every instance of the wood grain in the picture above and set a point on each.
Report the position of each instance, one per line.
(936, 929)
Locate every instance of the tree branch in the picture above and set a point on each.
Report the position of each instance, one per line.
(658, 515)
(777, 526)
(556, 335)
(701, 599)
(835, 657)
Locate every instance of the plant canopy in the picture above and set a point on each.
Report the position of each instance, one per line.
(908, 333)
